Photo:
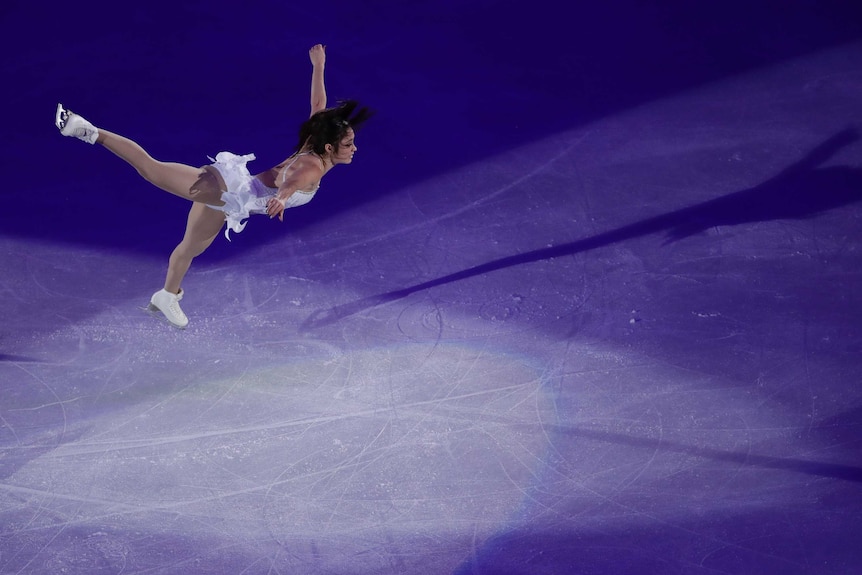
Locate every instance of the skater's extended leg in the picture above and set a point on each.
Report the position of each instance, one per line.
(196, 184)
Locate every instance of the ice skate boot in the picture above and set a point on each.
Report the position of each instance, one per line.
(71, 124)
(169, 304)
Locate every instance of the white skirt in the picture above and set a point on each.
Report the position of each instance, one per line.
(245, 194)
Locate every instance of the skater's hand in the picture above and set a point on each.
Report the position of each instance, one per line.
(317, 54)
(275, 207)
(304, 173)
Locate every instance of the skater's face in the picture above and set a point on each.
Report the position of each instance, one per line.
(343, 154)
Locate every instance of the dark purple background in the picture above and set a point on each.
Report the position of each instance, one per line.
(587, 301)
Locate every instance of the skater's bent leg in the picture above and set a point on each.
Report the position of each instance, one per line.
(185, 181)
(202, 227)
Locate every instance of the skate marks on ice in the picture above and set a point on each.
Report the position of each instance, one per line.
(346, 453)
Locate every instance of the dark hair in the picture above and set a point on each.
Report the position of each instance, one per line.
(330, 125)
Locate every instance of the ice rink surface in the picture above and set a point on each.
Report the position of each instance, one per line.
(587, 301)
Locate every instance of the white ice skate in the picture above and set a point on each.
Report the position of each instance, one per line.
(71, 124)
(169, 305)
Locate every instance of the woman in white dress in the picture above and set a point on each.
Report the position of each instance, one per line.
(225, 191)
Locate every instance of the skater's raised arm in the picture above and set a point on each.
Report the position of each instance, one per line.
(317, 54)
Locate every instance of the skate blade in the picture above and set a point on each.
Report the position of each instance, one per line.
(156, 313)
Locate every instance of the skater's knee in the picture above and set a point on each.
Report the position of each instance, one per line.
(150, 170)
(189, 249)
(186, 252)
(183, 253)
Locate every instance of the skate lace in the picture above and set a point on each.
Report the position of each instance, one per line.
(174, 306)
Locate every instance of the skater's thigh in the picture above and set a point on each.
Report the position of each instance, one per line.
(175, 178)
(202, 226)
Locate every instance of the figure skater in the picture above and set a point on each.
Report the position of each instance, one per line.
(225, 191)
